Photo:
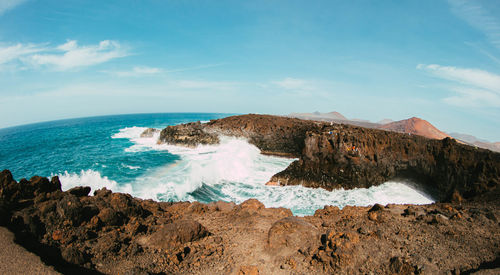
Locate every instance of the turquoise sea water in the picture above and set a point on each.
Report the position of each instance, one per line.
(109, 152)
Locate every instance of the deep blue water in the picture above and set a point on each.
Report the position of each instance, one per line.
(74, 145)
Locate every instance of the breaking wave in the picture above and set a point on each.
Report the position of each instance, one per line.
(233, 170)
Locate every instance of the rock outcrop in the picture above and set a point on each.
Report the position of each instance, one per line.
(114, 233)
(190, 134)
(342, 156)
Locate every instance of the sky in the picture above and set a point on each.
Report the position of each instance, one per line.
(434, 59)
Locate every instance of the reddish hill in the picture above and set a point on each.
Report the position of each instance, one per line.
(415, 126)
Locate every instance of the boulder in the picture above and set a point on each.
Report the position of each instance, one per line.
(80, 191)
(109, 216)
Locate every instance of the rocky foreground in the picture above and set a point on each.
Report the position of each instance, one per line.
(114, 233)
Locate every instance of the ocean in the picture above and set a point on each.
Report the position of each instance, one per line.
(108, 151)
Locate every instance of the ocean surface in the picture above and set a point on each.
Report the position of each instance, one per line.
(109, 152)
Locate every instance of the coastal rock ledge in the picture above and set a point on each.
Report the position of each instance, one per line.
(114, 233)
(333, 156)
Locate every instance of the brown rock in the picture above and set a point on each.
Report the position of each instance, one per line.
(73, 255)
(174, 234)
(292, 234)
(80, 191)
(272, 183)
(248, 270)
(110, 217)
(372, 216)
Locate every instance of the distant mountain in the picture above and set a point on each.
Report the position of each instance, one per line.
(385, 121)
(320, 116)
(415, 126)
(472, 140)
(334, 117)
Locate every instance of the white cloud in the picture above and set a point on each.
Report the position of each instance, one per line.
(6, 5)
(293, 84)
(478, 17)
(14, 52)
(137, 71)
(70, 55)
(203, 84)
(473, 87)
(62, 57)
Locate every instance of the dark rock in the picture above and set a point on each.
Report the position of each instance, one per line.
(401, 266)
(70, 207)
(149, 132)
(344, 156)
(376, 207)
(72, 255)
(109, 216)
(80, 191)
(103, 192)
(190, 134)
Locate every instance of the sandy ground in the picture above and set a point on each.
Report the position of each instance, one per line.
(14, 259)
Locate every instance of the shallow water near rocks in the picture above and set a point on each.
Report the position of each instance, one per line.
(109, 152)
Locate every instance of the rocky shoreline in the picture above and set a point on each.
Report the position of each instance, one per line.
(333, 156)
(114, 233)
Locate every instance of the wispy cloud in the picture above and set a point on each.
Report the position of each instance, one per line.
(290, 83)
(478, 17)
(199, 67)
(472, 87)
(14, 52)
(137, 71)
(66, 56)
(70, 55)
(6, 5)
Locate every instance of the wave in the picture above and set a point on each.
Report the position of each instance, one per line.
(93, 179)
(234, 170)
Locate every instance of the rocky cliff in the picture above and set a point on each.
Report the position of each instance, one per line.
(343, 156)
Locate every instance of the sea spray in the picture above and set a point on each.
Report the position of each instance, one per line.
(235, 171)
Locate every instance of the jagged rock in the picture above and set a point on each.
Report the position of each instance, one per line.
(191, 135)
(80, 191)
(114, 233)
(109, 216)
(70, 208)
(149, 132)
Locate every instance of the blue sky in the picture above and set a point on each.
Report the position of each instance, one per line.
(438, 60)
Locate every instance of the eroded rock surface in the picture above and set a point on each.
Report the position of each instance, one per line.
(116, 233)
(335, 156)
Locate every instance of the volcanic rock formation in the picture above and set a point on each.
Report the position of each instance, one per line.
(342, 156)
(415, 126)
(114, 233)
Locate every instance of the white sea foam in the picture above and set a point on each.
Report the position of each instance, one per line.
(235, 171)
(93, 179)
